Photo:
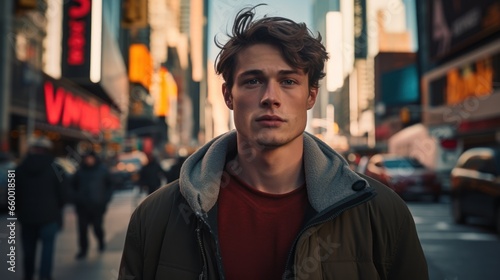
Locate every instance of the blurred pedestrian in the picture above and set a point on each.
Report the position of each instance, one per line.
(40, 198)
(175, 170)
(152, 175)
(92, 190)
(269, 200)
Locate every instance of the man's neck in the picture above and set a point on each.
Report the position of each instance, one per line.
(276, 171)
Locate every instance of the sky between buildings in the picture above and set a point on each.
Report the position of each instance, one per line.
(222, 13)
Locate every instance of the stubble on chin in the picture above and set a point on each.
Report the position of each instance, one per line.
(273, 140)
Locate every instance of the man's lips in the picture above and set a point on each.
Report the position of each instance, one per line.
(270, 118)
(270, 121)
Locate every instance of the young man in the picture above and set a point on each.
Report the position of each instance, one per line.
(269, 201)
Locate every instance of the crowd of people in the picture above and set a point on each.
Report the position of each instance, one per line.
(44, 189)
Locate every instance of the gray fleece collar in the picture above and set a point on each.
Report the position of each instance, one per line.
(328, 176)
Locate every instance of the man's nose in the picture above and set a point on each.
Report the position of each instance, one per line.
(272, 95)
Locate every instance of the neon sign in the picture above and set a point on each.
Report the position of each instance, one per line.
(77, 32)
(66, 109)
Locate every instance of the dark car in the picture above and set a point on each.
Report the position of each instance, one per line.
(475, 185)
(405, 175)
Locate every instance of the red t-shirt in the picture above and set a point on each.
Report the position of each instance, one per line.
(256, 229)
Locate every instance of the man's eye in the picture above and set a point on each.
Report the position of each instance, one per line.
(252, 82)
(288, 82)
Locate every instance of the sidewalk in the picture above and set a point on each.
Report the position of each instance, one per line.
(98, 266)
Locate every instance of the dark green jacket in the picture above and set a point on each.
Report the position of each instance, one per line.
(356, 228)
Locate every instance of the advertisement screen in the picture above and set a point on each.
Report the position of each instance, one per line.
(455, 24)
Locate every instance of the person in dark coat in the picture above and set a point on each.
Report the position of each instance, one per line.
(92, 192)
(40, 198)
(152, 175)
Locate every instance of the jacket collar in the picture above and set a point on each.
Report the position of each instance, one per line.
(329, 179)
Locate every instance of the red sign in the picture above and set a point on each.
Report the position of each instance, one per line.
(77, 29)
(66, 109)
(77, 32)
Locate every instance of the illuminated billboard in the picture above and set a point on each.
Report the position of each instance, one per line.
(82, 40)
(456, 24)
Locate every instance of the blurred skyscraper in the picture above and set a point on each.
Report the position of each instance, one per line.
(358, 32)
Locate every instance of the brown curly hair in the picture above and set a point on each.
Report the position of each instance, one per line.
(297, 44)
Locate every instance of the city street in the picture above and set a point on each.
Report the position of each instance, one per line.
(108, 95)
(454, 252)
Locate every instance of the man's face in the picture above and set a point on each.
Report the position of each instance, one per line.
(269, 98)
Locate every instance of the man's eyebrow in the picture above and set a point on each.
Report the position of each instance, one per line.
(288, 72)
(251, 73)
(256, 72)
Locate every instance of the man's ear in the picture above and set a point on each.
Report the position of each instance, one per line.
(228, 98)
(311, 99)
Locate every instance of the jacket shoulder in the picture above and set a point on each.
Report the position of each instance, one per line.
(154, 213)
(147, 228)
(157, 205)
(394, 226)
(150, 219)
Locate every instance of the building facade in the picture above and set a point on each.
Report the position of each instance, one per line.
(460, 70)
(65, 77)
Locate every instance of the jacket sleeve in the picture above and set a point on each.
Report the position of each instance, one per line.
(408, 260)
(131, 265)
(400, 248)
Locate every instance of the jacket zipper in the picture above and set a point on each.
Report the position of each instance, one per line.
(218, 260)
(203, 274)
(336, 212)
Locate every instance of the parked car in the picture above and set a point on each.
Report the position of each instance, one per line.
(475, 185)
(435, 148)
(125, 172)
(6, 163)
(405, 175)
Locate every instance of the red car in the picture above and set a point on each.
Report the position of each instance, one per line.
(405, 175)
